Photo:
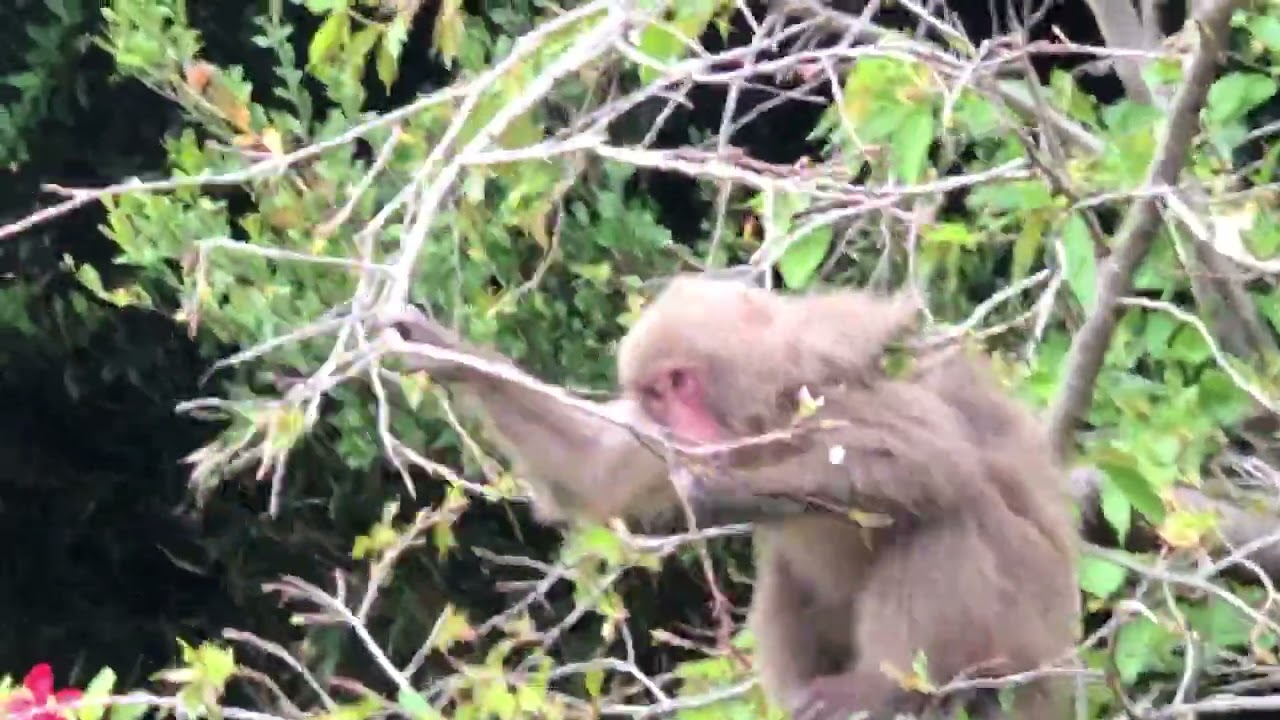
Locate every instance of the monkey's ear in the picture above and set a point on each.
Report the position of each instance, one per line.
(756, 307)
(908, 299)
(905, 309)
(749, 275)
(882, 322)
(651, 288)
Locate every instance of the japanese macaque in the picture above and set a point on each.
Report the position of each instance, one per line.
(967, 562)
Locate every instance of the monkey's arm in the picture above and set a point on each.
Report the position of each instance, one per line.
(588, 465)
(586, 457)
(898, 449)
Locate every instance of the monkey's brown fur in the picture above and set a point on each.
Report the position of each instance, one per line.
(976, 568)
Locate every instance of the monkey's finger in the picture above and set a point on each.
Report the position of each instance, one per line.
(415, 326)
(399, 316)
(809, 709)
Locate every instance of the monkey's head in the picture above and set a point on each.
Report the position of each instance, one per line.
(712, 359)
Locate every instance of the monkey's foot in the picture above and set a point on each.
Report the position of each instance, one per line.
(829, 698)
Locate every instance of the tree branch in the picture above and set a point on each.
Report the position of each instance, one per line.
(1137, 232)
(1248, 529)
(1121, 28)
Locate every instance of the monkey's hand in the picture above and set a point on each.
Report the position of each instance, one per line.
(415, 326)
(717, 500)
(853, 695)
(828, 698)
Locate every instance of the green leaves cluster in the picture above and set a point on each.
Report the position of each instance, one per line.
(507, 219)
(36, 89)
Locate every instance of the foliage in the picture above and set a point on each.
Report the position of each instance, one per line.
(37, 91)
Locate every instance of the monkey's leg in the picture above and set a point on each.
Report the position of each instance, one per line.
(839, 697)
(793, 638)
(939, 594)
(958, 594)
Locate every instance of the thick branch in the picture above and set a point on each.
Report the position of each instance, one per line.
(1222, 298)
(1241, 524)
(1122, 29)
(1115, 277)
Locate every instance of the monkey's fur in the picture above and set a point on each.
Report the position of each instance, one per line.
(975, 569)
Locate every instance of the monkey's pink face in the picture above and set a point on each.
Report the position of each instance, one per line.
(675, 397)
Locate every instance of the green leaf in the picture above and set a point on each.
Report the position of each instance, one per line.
(450, 31)
(911, 143)
(950, 233)
(1082, 264)
(1159, 328)
(1121, 468)
(1221, 399)
(499, 700)
(416, 705)
(387, 61)
(1189, 346)
(1269, 306)
(597, 273)
(1266, 30)
(1161, 270)
(975, 115)
(332, 31)
(1263, 241)
(1163, 448)
(1164, 71)
(1012, 196)
(804, 256)
(663, 45)
(1101, 578)
(658, 44)
(1027, 247)
(883, 123)
(1078, 104)
(99, 687)
(1235, 94)
(452, 627)
(1131, 131)
(1137, 648)
(1220, 625)
(594, 681)
(59, 8)
(361, 43)
(128, 711)
(593, 540)
(1116, 509)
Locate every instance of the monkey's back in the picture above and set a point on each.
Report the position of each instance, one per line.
(1035, 542)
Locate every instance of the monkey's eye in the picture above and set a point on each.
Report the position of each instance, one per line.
(682, 381)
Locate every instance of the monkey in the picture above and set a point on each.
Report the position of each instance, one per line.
(972, 564)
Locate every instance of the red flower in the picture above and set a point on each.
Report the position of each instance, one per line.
(37, 692)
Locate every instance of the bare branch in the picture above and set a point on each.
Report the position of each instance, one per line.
(1122, 28)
